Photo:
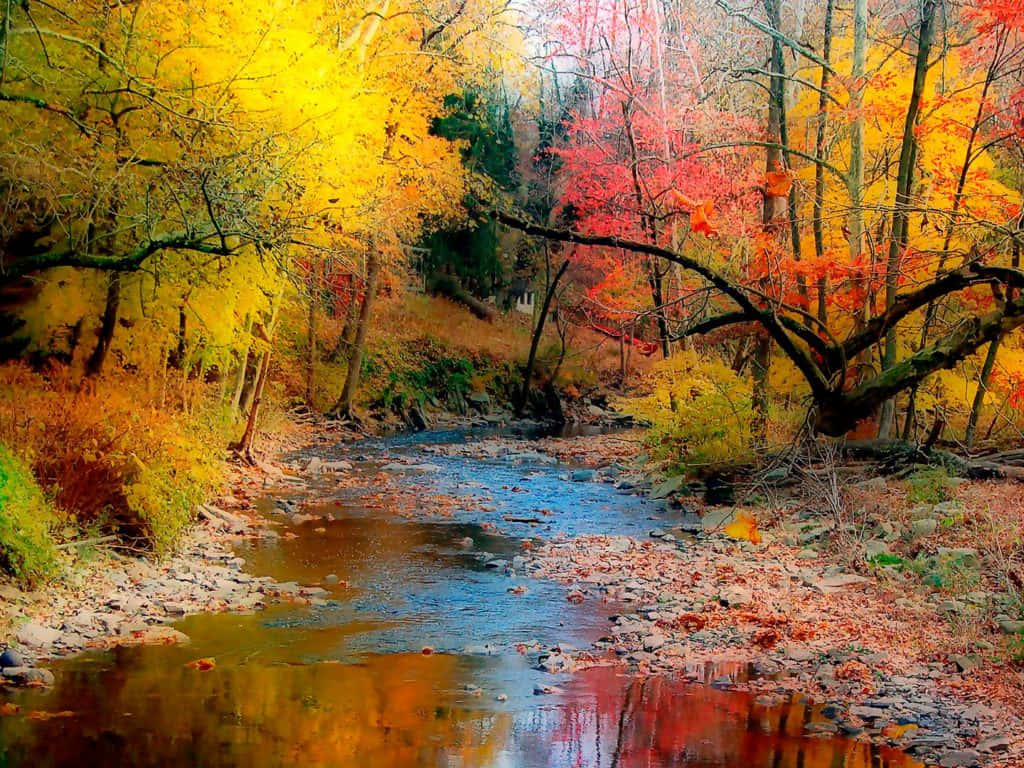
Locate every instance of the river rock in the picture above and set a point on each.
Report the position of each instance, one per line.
(838, 582)
(11, 658)
(966, 662)
(717, 519)
(821, 728)
(963, 758)
(583, 475)
(963, 556)
(924, 527)
(1010, 627)
(479, 400)
(868, 713)
(735, 597)
(27, 675)
(874, 548)
(994, 744)
(653, 642)
(37, 636)
(668, 487)
(545, 690)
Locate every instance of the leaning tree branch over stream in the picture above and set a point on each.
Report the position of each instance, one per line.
(822, 361)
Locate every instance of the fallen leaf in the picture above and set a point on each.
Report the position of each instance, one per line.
(894, 731)
(202, 665)
(7, 708)
(743, 526)
(40, 715)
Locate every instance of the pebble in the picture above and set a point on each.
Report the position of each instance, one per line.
(545, 690)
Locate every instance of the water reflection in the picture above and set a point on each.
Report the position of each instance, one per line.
(402, 711)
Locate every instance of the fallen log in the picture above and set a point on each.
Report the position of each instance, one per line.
(449, 287)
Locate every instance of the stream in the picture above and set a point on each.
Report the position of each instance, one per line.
(346, 682)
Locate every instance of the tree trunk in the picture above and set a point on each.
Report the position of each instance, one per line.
(244, 446)
(979, 396)
(777, 93)
(990, 359)
(535, 341)
(178, 354)
(855, 179)
(343, 408)
(819, 169)
(648, 225)
(311, 349)
(969, 157)
(243, 366)
(904, 180)
(762, 360)
(773, 208)
(96, 360)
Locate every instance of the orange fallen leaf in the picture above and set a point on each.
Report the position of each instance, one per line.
(7, 708)
(766, 638)
(894, 731)
(743, 526)
(202, 665)
(427, 650)
(40, 715)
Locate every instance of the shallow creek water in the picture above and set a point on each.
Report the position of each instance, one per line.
(346, 684)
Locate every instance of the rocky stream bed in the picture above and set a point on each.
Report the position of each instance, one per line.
(539, 582)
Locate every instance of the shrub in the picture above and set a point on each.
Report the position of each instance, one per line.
(699, 409)
(26, 518)
(109, 456)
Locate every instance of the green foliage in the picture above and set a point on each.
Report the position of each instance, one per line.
(885, 559)
(950, 574)
(26, 518)
(930, 485)
(699, 409)
(483, 124)
(441, 378)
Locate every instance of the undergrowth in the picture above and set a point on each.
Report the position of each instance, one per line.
(26, 518)
(700, 411)
(111, 457)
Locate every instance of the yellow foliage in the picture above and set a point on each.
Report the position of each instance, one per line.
(700, 410)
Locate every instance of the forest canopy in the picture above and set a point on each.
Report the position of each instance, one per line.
(804, 216)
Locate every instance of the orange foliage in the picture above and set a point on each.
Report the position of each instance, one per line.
(778, 183)
(700, 219)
